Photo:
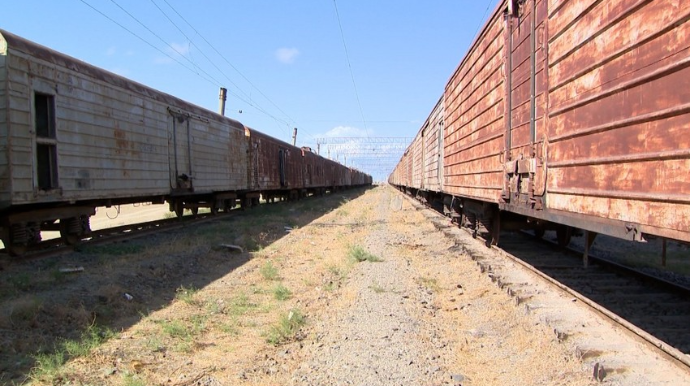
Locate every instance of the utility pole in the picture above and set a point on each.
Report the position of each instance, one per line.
(221, 100)
(294, 137)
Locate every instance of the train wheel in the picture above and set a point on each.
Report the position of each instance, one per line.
(563, 235)
(179, 208)
(70, 230)
(539, 232)
(19, 237)
(214, 208)
(16, 250)
(194, 210)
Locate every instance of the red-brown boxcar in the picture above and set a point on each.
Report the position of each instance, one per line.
(573, 114)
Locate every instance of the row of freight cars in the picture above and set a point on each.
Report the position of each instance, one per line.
(74, 137)
(565, 115)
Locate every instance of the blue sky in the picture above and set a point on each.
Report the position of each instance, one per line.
(283, 62)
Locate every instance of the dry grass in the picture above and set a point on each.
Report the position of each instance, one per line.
(236, 319)
(518, 347)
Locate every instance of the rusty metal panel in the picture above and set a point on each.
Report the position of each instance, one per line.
(474, 117)
(433, 149)
(278, 164)
(619, 112)
(310, 177)
(331, 175)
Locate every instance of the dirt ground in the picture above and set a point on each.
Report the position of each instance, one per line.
(355, 288)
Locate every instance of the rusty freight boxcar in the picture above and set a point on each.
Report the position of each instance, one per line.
(573, 114)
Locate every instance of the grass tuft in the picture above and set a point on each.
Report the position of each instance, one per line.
(359, 254)
(269, 271)
(287, 327)
(21, 281)
(49, 366)
(280, 292)
(430, 283)
(187, 294)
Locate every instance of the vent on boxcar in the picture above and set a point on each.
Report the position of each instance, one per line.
(46, 141)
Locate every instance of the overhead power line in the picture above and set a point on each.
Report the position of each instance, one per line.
(166, 43)
(194, 67)
(349, 66)
(292, 123)
(149, 43)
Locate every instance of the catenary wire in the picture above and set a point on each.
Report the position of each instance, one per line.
(233, 67)
(164, 42)
(349, 65)
(211, 80)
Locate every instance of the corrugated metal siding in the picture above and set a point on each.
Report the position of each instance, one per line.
(19, 131)
(474, 138)
(417, 160)
(219, 157)
(5, 182)
(268, 149)
(619, 107)
(433, 150)
(112, 134)
(110, 143)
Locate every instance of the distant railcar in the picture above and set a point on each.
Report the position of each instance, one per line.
(570, 115)
(74, 137)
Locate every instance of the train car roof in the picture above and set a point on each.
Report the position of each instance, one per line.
(11, 42)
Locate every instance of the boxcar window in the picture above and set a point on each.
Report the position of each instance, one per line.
(46, 161)
(45, 115)
(46, 144)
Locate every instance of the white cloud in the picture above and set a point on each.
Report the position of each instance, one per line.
(287, 55)
(345, 131)
(174, 50)
(180, 49)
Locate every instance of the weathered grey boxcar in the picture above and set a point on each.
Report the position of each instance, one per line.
(574, 114)
(73, 137)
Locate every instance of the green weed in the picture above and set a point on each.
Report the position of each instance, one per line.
(429, 283)
(287, 328)
(187, 294)
(20, 281)
(269, 271)
(359, 254)
(280, 292)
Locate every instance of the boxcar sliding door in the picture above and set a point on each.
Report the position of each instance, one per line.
(181, 173)
(526, 91)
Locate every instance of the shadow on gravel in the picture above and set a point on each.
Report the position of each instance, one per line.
(48, 316)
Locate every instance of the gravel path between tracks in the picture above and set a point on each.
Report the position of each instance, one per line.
(425, 316)
(297, 309)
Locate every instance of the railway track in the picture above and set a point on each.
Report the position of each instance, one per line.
(53, 247)
(650, 307)
(652, 310)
